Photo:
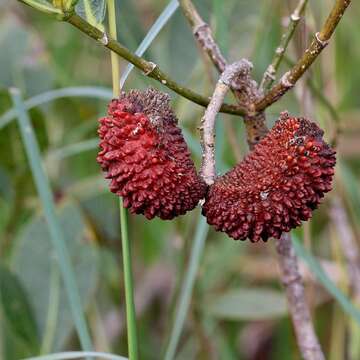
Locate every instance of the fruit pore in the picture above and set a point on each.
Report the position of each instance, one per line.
(276, 186)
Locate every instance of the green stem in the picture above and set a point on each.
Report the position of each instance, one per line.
(129, 289)
(126, 252)
(149, 69)
(115, 64)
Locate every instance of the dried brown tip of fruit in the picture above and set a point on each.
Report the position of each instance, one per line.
(145, 157)
(277, 186)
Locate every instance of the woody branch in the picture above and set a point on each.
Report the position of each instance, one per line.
(207, 127)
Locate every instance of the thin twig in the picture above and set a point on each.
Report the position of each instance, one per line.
(243, 87)
(299, 311)
(149, 68)
(319, 42)
(207, 128)
(294, 18)
(349, 246)
(326, 103)
(203, 35)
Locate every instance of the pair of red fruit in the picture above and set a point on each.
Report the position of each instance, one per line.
(274, 189)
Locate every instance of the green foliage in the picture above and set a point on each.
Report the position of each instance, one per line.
(65, 79)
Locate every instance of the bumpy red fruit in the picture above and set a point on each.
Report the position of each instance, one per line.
(276, 186)
(145, 156)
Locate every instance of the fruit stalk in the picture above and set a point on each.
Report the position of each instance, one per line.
(207, 127)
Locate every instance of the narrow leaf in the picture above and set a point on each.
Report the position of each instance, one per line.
(329, 285)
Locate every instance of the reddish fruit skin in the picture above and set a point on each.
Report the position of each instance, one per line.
(276, 186)
(145, 156)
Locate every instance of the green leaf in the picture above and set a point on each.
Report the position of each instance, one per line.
(93, 11)
(17, 312)
(329, 285)
(248, 304)
(35, 271)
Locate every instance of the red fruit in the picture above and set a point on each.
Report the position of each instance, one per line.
(146, 158)
(276, 186)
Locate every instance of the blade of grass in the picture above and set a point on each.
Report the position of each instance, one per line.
(187, 287)
(77, 355)
(318, 271)
(57, 237)
(160, 22)
(81, 91)
(126, 251)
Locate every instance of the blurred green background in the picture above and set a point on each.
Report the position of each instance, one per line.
(238, 308)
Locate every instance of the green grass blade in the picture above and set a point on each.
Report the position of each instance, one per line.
(329, 285)
(129, 288)
(81, 91)
(160, 22)
(43, 188)
(78, 355)
(187, 287)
